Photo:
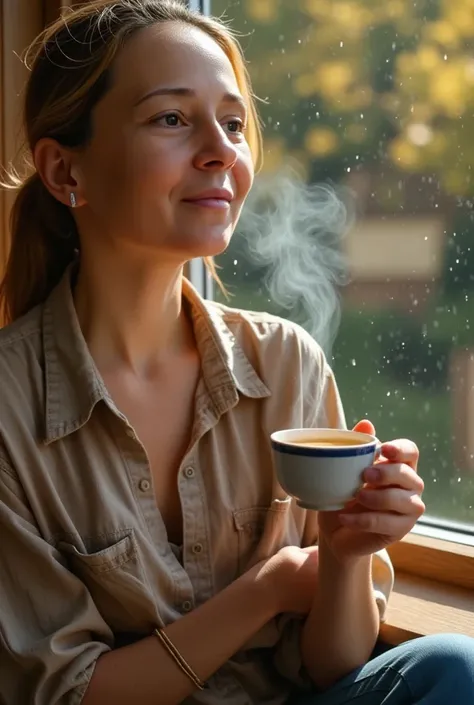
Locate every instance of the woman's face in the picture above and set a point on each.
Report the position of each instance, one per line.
(168, 166)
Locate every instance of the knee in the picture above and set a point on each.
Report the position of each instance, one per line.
(447, 654)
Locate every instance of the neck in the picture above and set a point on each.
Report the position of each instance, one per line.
(131, 315)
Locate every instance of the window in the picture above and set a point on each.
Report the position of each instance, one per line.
(377, 98)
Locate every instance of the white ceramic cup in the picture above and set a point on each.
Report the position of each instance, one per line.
(322, 477)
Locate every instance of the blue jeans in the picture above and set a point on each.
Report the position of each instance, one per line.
(434, 670)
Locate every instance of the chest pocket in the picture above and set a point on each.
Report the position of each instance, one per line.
(115, 580)
(262, 531)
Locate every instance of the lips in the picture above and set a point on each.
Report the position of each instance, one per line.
(212, 198)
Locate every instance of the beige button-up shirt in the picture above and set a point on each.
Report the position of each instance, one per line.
(85, 564)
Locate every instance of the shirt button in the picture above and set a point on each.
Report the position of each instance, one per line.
(187, 606)
(197, 548)
(144, 485)
(130, 433)
(189, 472)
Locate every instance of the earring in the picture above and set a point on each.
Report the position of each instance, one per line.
(72, 199)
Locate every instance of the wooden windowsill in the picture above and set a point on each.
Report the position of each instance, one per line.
(420, 606)
(434, 559)
(433, 591)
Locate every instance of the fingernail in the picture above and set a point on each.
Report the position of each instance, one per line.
(372, 474)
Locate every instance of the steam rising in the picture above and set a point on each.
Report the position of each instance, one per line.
(295, 231)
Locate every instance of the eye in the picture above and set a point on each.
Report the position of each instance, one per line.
(171, 119)
(235, 126)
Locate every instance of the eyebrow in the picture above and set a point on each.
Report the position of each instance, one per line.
(189, 93)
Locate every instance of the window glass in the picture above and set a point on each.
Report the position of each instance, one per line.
(377, 99)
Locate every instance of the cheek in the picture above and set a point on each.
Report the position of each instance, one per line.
(106, 173)
(243, 174)
(135, 172)
(154, 169)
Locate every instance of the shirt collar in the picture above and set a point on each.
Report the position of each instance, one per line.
(224, 362)
(74, 385)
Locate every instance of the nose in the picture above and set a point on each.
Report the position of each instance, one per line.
(216, 151)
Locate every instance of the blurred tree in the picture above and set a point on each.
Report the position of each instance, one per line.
(354, 83)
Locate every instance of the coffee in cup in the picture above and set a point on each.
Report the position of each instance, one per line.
(326, 442)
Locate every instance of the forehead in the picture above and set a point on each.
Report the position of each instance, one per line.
(173, 54)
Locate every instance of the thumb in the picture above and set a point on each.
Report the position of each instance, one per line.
(365, 426)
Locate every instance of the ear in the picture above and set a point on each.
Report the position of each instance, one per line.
(59, 172)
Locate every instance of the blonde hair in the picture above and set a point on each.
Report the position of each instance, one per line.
(70, 71)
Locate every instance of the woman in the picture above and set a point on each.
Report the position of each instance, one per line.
(148, 555)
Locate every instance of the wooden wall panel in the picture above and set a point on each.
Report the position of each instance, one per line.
(20, 22)
(52, 8)
(2, 131)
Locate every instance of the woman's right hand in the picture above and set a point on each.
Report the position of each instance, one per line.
(291, 576)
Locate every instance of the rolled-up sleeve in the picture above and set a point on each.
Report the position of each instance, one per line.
(51, 632)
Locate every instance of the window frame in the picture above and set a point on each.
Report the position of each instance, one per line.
(203, 6)
(434, 579)
(436, 559)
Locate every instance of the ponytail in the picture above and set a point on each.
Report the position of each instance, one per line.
(44, 240)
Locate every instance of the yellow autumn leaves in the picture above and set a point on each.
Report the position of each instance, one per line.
(431, 97)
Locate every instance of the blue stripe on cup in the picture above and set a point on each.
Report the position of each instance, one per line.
(326, 452)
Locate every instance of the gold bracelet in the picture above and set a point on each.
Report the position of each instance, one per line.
(178, 659)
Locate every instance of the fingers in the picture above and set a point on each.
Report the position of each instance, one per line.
(394, 474)
(390, 503)
(392, 500)
(393, 526)
(401, 451)
(365, 426)
(310, 550)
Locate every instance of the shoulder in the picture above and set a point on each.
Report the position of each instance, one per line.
(292, 365)
(270, 335)
(20, 339)
(23, 329)
(21, 364)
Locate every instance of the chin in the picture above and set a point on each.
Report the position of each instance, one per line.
(212, 245)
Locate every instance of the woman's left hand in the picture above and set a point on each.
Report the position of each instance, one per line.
(385, 509)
